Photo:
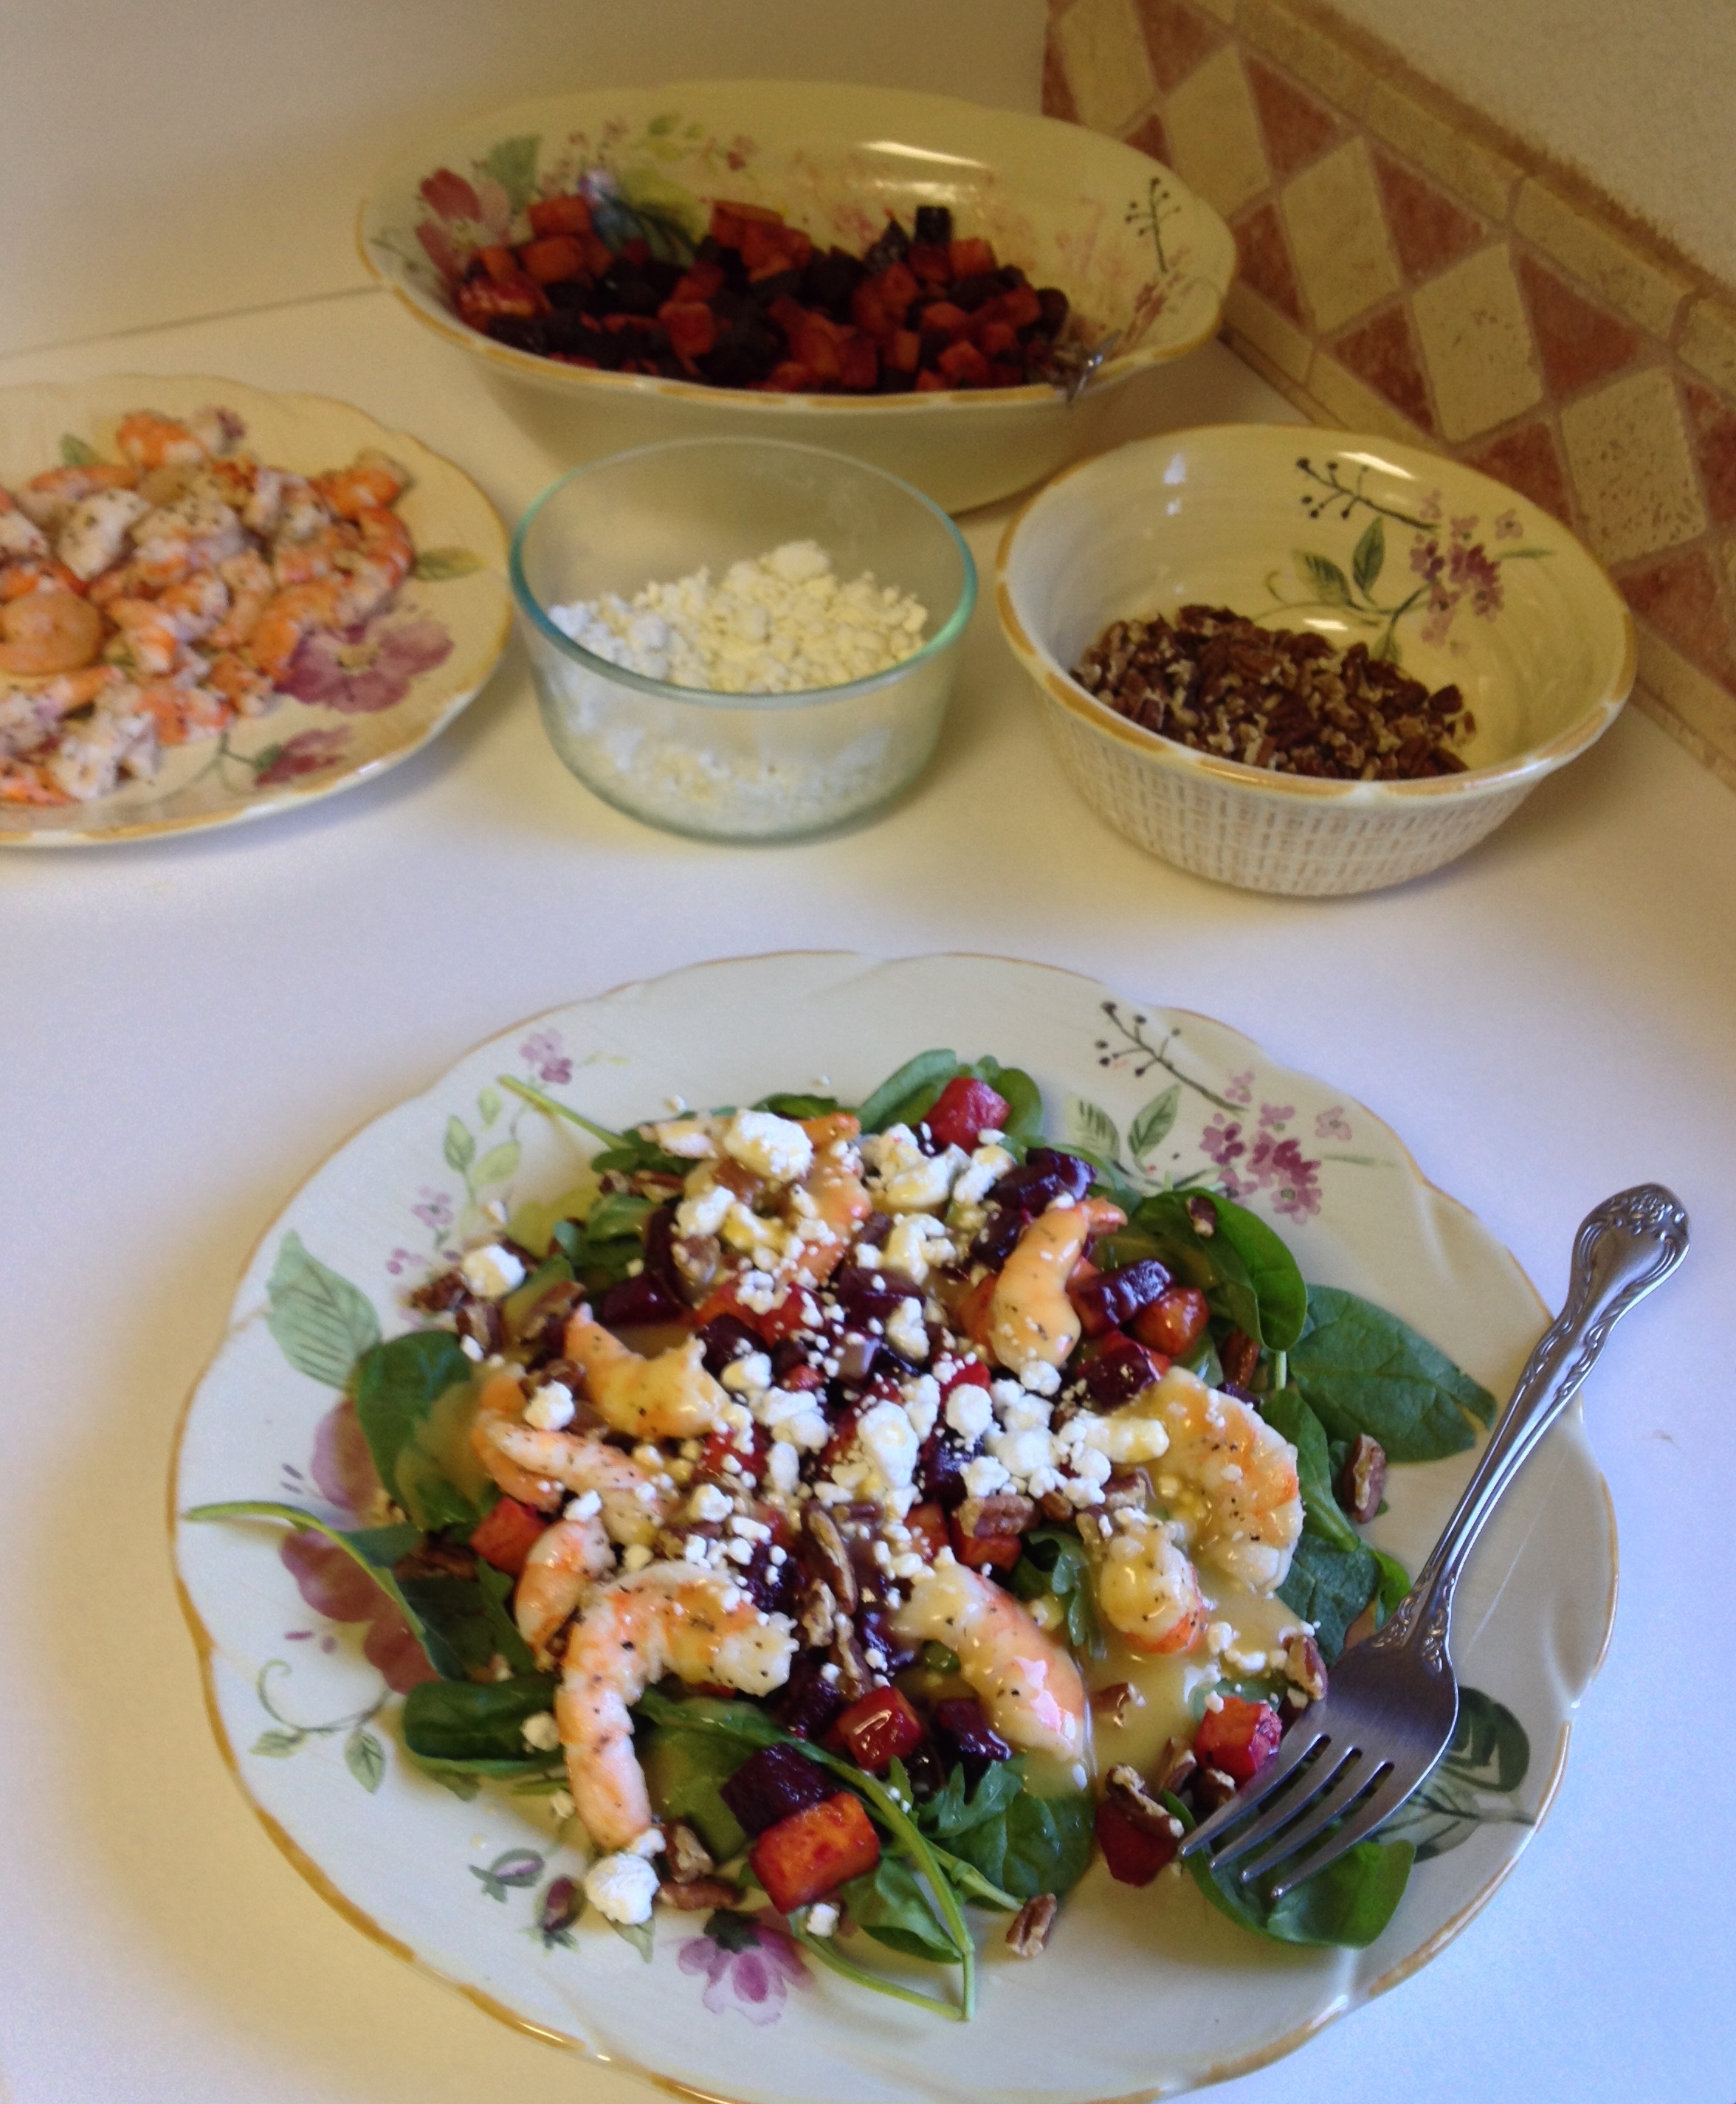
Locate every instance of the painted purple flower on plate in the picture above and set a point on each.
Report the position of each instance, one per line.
(308, 752)
(748, 1965)
(359, 670)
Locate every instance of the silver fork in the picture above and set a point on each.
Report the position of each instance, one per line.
(1391, 1702)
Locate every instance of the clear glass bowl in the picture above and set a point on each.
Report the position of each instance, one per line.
(738, 767)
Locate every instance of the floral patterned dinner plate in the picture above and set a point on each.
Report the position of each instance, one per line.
(1141, 1993)
(362, 701)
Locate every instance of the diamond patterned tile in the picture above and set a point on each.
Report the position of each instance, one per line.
(1713, 425)
(1107, 68)
(1297, 129)
(1265, 260)
(1338, 236)
(1528, 459)
(1577, 342)
(1476, 343)
(1680, 596)
(1632, 471)
(1216, 134)
(1384, 352)
(1150, 137)
(1179, 39)
(1428, 230)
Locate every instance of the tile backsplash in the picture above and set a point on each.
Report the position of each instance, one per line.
(1406, 268)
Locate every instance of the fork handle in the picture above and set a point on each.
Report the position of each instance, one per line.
(1625, 1246)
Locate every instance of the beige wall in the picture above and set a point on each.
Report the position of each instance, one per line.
(164, 160)
(1638, 94)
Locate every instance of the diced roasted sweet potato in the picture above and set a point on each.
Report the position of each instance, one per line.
(559, 214)
(970, 258)
(804, 1857)
(507, 1536)
(552, 261)
(1239, 1738)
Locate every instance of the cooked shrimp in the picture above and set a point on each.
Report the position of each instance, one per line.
(31, 575)
(138, 579)
(149, 440)
(299, 510)
(670, 1396)
(1028, 1682)
(668, 1618)
(634, 1503)
(47, 497)
(1147, 1589)
(386, 544)
(1230, 1481)
(292, 614)
(373, 481)
(147, 644)
(21, 783)
(93, 534)
(306, 562)
(48, 631)
(834, 1189)
(230, 675)
(1029, 1315)
(183, 714)
(565, 1561)
(248, 581)
(19, 536)
(197, 528)
(193, 607)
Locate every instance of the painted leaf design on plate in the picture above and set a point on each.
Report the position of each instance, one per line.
(278, 1745)
(460, 1148)
(1370, 555)
(498, 1163)
(1477, 1783)
(1151, 1126)
(1324, 576)
(438, 566)
(1089, 1124)
(323, 1324)
(512, 163)
(489, 1105)
(365, 1759)
(76, 452)
(638, 1933)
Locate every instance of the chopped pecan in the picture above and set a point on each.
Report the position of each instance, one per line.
(1056, 1505)
(1362, 1480)
(1118, 1701)
(833, 1558)
(698, 1896)
(483, 1322)
(1124, 1789)
(1002, 1513)
(689, 1856)
(1176, 1767)
(1304, 1665)
(854, 1679)
(1127, 1486)
(1211, 1788)
(697, 1258)
(1240, 1354)
(440, 1294)
(1202, 1213)
(817, 1612)
(1031, 1925)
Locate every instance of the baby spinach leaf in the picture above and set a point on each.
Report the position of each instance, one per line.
(475, 1721)
(1329, 1587)
(323, 1324)
(1346, 1905)
(953, 1809)
(1281, 1297)
(1243, 1268)
(1290, 1416)
(889, 1904)
(797, 1107)
(1053, 1560)
(683, 1770)
(397, 1387)
(917, 1083)
(737, 1720)
(1024, 1844)
(1362, 1370)
(469, 1617)
(1395, 1580)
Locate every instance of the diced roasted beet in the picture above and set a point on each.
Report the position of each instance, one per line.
(927, 1521)
(812, 1852)
(1239, 1738)
(1054, 304)
(976, 291)
(519, 332)
(963, 1732)
(659, 1250)
(892, 246)
(926, 1770)
(1112, 1298)
(633, 1302)
(933, 224)
(630, 291)
(724, 1339)
(879, 1639)
(830, 278)
(1174, 1322)
(773, 1785)
(867, 1296)
(789, 1355)
(1120, 1370)
(939, 1470)
(965, 1110)
(1045, 1175)
(807, 1704)
(1132, 1854)
(879, 1729)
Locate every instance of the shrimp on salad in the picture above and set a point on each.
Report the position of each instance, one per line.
(186, 564)
(827, 1464)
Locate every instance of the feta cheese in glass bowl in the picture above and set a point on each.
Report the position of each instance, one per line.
(742, 639)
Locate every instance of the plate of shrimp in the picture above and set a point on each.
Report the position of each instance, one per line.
(216, 602)
(748, 1565)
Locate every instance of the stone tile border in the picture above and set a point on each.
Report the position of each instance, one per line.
(1409, 267)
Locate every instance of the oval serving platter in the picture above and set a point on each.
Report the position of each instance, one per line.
(385, 692)
(1141, 1993)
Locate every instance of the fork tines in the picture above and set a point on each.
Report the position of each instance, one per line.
(1316, 1778)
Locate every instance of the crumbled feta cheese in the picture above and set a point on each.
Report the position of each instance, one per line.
(492, 1271)
(749, 1375)
(823, 1919)
(1126, 1437)
(917, 1242)
(686, 1138)
(888, 1439)
(987, 1166)
(906, 1331)
(561, 1805)
(550, 1406)
(985, 1476)
(1021, 1453)
(704, 1211)
(696, 1549)
(970, 1412)
(782, 1469)
(774, 1148)
(541, 1733)
(922, 1186)
(922, 1403)
(471, 1350)
(1006, 1394)
(758, 1291)
(586, 1505)
(622, 1887)
(793, 1415)
(709, 1502)
(1029, 1413)
(1040, 1378)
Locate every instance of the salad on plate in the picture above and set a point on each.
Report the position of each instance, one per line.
(850, 1517)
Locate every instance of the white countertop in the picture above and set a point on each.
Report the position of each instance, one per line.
(185, 1029)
